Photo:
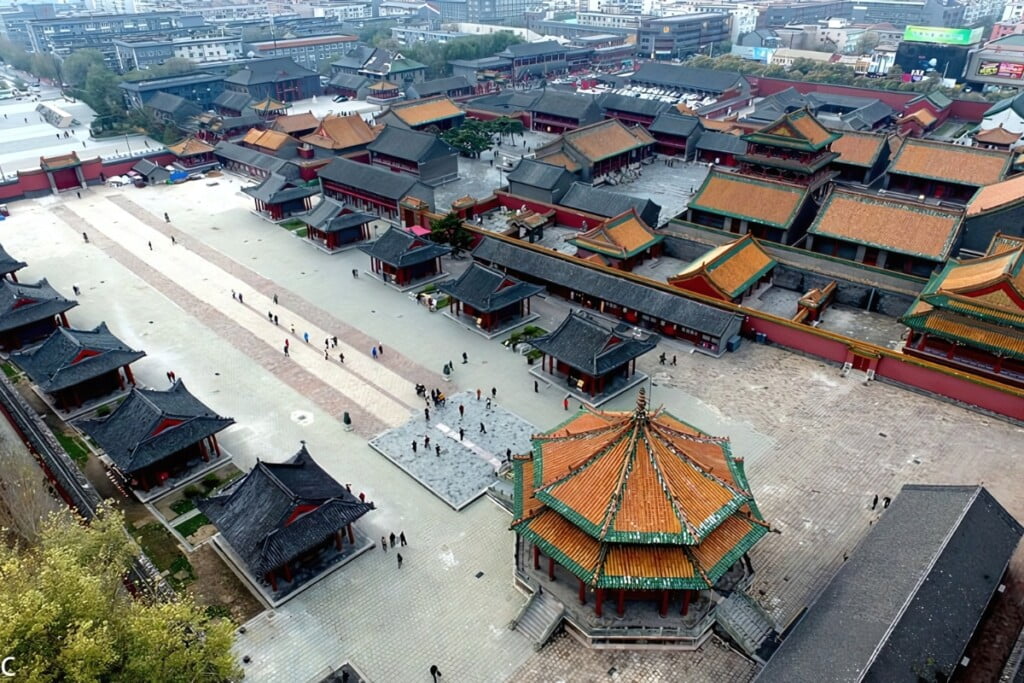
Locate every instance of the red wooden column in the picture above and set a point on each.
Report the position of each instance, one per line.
(583, 592)
(351, 536)
(686, 603)
(128, 374)
(273, 579)
(337, 540)
(551, 569)
(216, 446)
(663, 609)
(620, 602)
(598, 608)
(536, 557)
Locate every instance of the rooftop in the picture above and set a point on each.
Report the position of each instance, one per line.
(488, 290)
(22, 303)
(619, 237)
(69, 357)
(731, 268)
(340, 132)
(763, 201)
(950, 163)
(422, 112)
(859, 149)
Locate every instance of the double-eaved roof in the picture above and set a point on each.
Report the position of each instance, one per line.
(69, 357)
(797, 130)
(280, 511)
(754, 199)
(402, 249)
(731, 268)
(621, 237)
(895, 225)
(23, 304)
(907, 602)
(410, 145)
(949, 163)
(593, 345)
(636, 500)
(151, 425)
(488, 290)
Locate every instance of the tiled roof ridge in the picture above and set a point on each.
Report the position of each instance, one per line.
(585, 464)
(684, 520)
(611, 511)
(692, 557)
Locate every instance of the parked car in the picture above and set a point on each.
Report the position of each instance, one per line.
(196, 175)
(341, 98)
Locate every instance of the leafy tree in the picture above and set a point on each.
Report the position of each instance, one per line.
(867, 42)
(101, 92)
(76, 67)
(175, 66)
(66, 615)
(471, 138)
(43, 66)
(25, 501)
(449, 230)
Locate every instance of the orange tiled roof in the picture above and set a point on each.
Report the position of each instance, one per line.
(605, 139)
(974, 332)
(951, 163)
(190, 147)
(427, 111)
(560, 159)
(859, 149)
(296, 122)
(893, 225)
(383, 85)
(619, 237)
(269, 104)
(716, 125)
(731, 267)
(997, 195)
(763, 201)
(1001, 243)
(59, 161)
(267, 139)
(922, 116)
(997, 136)
(636, 496)
(341, 132)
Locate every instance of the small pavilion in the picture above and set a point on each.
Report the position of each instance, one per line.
(592, 355)
(9, 266)
(76, 366)
(154, 436)
(729, 272)
(403, 259)
(278, 197)
(270, 108)
(490, 298)
(383, 92)
(332, 225)
(192, 153)
(282, 517)
(637, 507)
(624, 241)
(29, 313)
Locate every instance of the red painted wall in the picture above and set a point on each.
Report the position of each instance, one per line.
(35, 181)
(563, 216)
(800, 339)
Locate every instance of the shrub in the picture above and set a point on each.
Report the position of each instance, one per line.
(103, 411)
(211, 481)
(192, 491)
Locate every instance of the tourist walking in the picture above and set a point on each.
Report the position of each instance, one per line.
(293, 328)
(76, 290)
(334, 342)
(380, 349)
(275, 319)
(478, 394)
(426, 414)
(465, 358)
(462, 433)
(275, 299)
(305, 337)
(494, 392)
(488, 404)
(483, 430)
(286, 349)
(426, 441)
(437, 450)
(874, 502)
(536, 387)
(327, 355)
(383, 544)
(392, 537)
(174, 241)
(341, 357)
(565, 403)
(413, 450)
(401, 538)
(85, 237)
(167, 219)
(399, 560)
(150, 246)
(373, 352)
(435, 673)
(462, 411)
(240, 298)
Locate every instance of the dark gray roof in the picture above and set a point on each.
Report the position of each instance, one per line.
(194, 78)
(257, 515)
(488, 290)
(402, 249)
(607, 203)
(905, 605)
(506, 102)
(229, 151)
(537, 174)
(243, 121)
(69, 357)
(152, 171)
(322, 214)
(671, 122)
(687, 77)
(151, 425)
(871, 114)
(592, 345)
(177, 107)
(347, 220)
(23, 304)
(276, 189)
(570, 105)
(376, 180)
(632, 105)
(439, 86)
(269, 70)
(349, 81)
(671, 308)
(9, 264)
(713, 141)
(355, 58)
(482, 63)
(521, 50)
(236, 101)
(1016, 103)
(411, 145)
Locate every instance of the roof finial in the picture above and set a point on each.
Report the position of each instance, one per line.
(641, 403)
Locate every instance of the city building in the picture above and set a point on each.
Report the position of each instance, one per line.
(308, 52)
(410, 35)
(201, 88)
(143, 54)
(277, 77)
(64, 34)
(680, 37)
(622, 242)
(451, 87)
(743, 15)
(1000, 62)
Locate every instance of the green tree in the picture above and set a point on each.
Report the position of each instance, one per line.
(65, 613)
(175, 66)
(101, 92)
(867, 42)
(449, 230)
(43, 66)
(76, 67)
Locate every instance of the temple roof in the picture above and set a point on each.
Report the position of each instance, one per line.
(763, 201)
(190, 147)
(151, 425)
(1002, 242)
(619, 237)
(60, 161)
(487, 289)
(608, 203)
(269, 105)
(894, 225)
(69, 357)
(294, 123)
(402, 249)
(859, 149)
(22, 304)
(730, 268)
(276, 189)
(267, 139)
(795, 130)
(636, 499)
(422, 112)
(606, 139)
(950, 163)
(538, 174)
(375, 180)
(997, 195)
(279, 511)
(9, 264)
(997, 136)
(341, 132)
(592, 345)
(410, 145)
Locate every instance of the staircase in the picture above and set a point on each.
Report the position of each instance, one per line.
(747, 625)
(539, 618)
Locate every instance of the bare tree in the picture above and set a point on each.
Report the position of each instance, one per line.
(26, 500)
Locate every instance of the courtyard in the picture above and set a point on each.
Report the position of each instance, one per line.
(818, 446)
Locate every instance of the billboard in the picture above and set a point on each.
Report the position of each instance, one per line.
(941, 34)
(1001, 70)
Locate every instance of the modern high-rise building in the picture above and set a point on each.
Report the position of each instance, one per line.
(680, 37)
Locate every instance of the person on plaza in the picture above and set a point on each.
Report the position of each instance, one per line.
(76, 290)
(234, 295)
(85, 237)
(240, 298)
(494, 392)
(874, 502)
(885, 502)
(414, 445)
(79, 194)
(392, 537)
(167, 219)
(286, 349)
(275, 299)
(661, 358)
(426, 441)
(270, 316)
(478, 394)
(305, 337)
(327, 355)
(483, 430)
(383, 544)
(150, 246)
(362, 497)
(334, 342)
(373, 352)
(327, 342)
(355, 272)
(275, 319)
(488, 405)
(286, 343)
(401, 538)
(565, 403)
(462, 411)
(293, 328)
(380, 349)
(399, 560)
(673, 359)
(437, 450)
(465, 358)
(435, 673)
(173, 376)
(508, 455)
(536, 387)
(426, 414)
(462, 433)
(341, 357)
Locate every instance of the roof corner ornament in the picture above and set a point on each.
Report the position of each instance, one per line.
(641, 403)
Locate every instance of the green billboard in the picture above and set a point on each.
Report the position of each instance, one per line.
(941, 34)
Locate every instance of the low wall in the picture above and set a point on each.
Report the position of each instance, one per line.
(95, 171)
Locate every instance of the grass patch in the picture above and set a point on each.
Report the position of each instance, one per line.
(442, 302)
(183, 505)
(181, 564)
(292, 224)
(159, 545)
(74, 447)
(534, 355)
(218, 612)
(526, 334)
(192, 525)
(11, 372)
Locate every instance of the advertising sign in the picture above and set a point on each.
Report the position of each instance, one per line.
(942, 34)
(1001, 70)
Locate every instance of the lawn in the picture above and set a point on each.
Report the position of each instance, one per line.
(74, 447)
(12, 372)
(162, 548)
(295, 226)
(192, 525)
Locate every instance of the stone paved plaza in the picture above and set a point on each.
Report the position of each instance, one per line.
(818, 446)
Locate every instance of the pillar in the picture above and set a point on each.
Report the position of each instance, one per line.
(287, 572)
(620, 602)
(598, 608)
(551, 569)
(273, 579)
(128, 374)
(120, 380)
(337, 540)
(686, 603)
(583, 592)
(351, 536)
(216, 446)
(536, 557)
(64, 319)
(663, 608)
(203, 452)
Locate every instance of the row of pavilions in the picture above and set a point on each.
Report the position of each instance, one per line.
(275, 518)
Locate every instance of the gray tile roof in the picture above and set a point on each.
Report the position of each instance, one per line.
(570, 105)
(411, 145)
(686, 77)
(656, 303)
(521, 50)
(69, 357)
(537, 174)
(376, 180)
(229, 151)
(236, 101)
(438, 86)
(505, 102)
(870, 114)
(255, 516)
(1016, 103)
(713, 141)
(349, 81)
(632, 105)
(488, 290)
(672, 122)
(592, 345)
(355, 59)
(347, 220)
(905, 605)
(322, 214)
(276, 189)
(151, 171)
(609, 204)
(151, 425)
(269, 70)
(9, 264)
(23, 304)
(402, 249)
(177, 107)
